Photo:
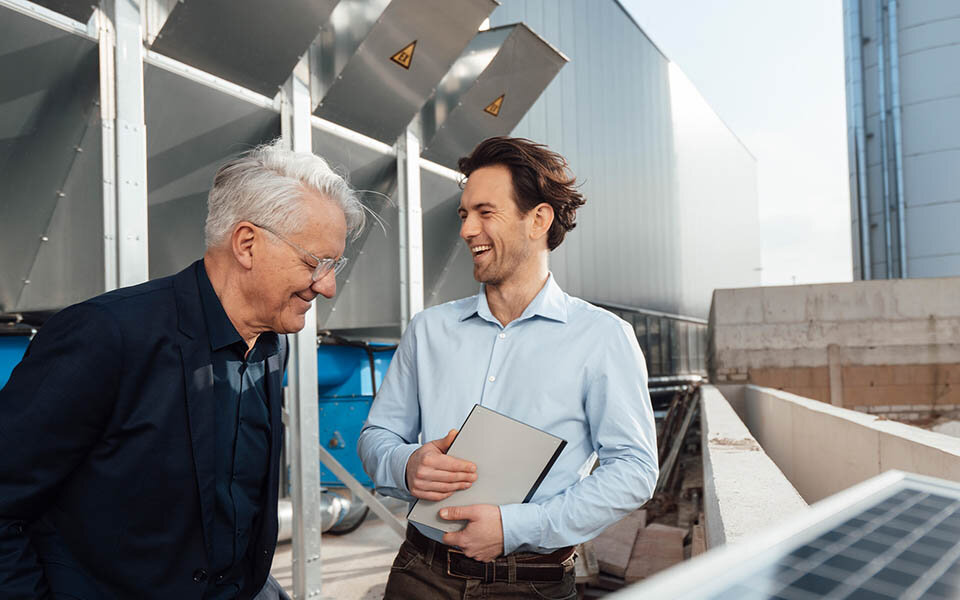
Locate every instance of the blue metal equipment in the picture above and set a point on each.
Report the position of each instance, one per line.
(12, 348)
(348, 377)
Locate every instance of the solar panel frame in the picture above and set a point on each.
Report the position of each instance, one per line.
(896, 535)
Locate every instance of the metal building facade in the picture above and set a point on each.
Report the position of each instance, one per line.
(903, 98)
(671, 192)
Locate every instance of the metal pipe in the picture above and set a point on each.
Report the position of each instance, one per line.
(855, 83)
(897, 133)
(884, 161)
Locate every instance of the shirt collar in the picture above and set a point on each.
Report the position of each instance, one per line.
(220, 329)
(549, 303)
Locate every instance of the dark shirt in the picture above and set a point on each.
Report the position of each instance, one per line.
(242, 443)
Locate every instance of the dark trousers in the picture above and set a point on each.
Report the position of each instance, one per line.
(420, 575)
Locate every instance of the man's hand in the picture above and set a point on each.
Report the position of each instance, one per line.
(482, 538)
(432, 475)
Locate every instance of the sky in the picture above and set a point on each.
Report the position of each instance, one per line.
(773, 71)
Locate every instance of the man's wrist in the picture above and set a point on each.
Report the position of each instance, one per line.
(400, 459)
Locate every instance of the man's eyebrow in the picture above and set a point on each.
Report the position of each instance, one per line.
(477, 206)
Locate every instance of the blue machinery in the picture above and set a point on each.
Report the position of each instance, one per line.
(348, 377)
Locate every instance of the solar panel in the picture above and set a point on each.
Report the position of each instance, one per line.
(894, 536)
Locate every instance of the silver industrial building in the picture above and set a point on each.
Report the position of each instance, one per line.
(903, 95)
(113, 120)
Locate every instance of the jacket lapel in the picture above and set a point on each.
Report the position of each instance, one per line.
(198, 382)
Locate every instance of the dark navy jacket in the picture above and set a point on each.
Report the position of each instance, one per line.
(107, 452)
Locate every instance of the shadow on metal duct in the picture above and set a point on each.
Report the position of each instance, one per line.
(378, 61)
(78, 10)
(192, 129)
(490, 87)
(252, 43)
(51, 224)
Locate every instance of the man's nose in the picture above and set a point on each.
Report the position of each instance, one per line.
(326, 286)
(468, 228)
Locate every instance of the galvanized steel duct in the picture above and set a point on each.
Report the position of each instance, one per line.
(856, 89)
(897, 132)
(884, 161)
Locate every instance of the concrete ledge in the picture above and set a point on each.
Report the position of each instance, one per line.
(744, 491)
(823, 449)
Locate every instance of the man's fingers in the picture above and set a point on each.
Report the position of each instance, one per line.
(427, 472)
(442, 462)
(444, 443)
(458, 513)
(430, 485)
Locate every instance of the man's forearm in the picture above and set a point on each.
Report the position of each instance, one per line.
(384, 455)
(21, 574)
(618, 486)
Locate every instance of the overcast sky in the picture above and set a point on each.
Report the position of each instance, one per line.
(773, 71)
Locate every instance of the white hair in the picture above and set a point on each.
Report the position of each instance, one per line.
(266, 186)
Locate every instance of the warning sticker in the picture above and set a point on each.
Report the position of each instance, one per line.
(494, 107)
(404, 58)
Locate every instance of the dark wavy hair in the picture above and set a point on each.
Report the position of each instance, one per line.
(539, 175)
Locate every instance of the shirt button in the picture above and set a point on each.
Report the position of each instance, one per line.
(502, 336)
(491, 379)
(200, 575)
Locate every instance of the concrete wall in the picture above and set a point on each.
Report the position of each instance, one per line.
(823, 449)
(744, 491)
(878, 346)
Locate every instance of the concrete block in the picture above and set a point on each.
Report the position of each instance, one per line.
(744, 491)
(738, 377)
(658, 547)
(615, 545)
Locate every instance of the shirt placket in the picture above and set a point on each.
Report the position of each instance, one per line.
(491, 385)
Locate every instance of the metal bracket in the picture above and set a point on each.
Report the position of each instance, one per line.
(398, 525)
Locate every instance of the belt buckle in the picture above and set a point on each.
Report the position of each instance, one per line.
(450, 553)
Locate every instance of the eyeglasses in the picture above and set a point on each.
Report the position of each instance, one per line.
(324, 265)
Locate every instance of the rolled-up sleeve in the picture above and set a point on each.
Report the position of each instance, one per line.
(621, 424)
(390, 434)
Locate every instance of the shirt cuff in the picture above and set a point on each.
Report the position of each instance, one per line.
(521, 526)
(399, 460)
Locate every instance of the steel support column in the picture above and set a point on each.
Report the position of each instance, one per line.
(855, 95)
(896, 110)
(411, 227)
(302, 398)
(125, 169)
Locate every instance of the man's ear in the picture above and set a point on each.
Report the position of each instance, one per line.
(542, 220)
(242, 242)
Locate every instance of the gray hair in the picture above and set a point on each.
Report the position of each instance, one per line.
(266, 185)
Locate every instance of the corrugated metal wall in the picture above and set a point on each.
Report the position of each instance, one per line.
(652, 157)
(929, 86)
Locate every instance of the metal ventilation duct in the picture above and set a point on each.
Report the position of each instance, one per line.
(378, 61)
(192, 129)
(51, 227)
(78, 10)
(487, 91)
(252, 43)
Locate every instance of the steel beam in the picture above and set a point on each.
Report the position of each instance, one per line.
(411, 227)
(130, 141)
(302, 382)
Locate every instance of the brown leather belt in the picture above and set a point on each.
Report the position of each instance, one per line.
(530, 567)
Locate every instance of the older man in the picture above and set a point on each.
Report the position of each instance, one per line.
(526, 349)
(140, 436)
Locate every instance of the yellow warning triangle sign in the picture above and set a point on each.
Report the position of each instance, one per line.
(404, 58)
(494, 107)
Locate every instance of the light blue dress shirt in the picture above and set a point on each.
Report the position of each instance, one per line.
(566, 367)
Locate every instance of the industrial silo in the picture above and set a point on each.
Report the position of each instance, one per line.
(903, 116)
